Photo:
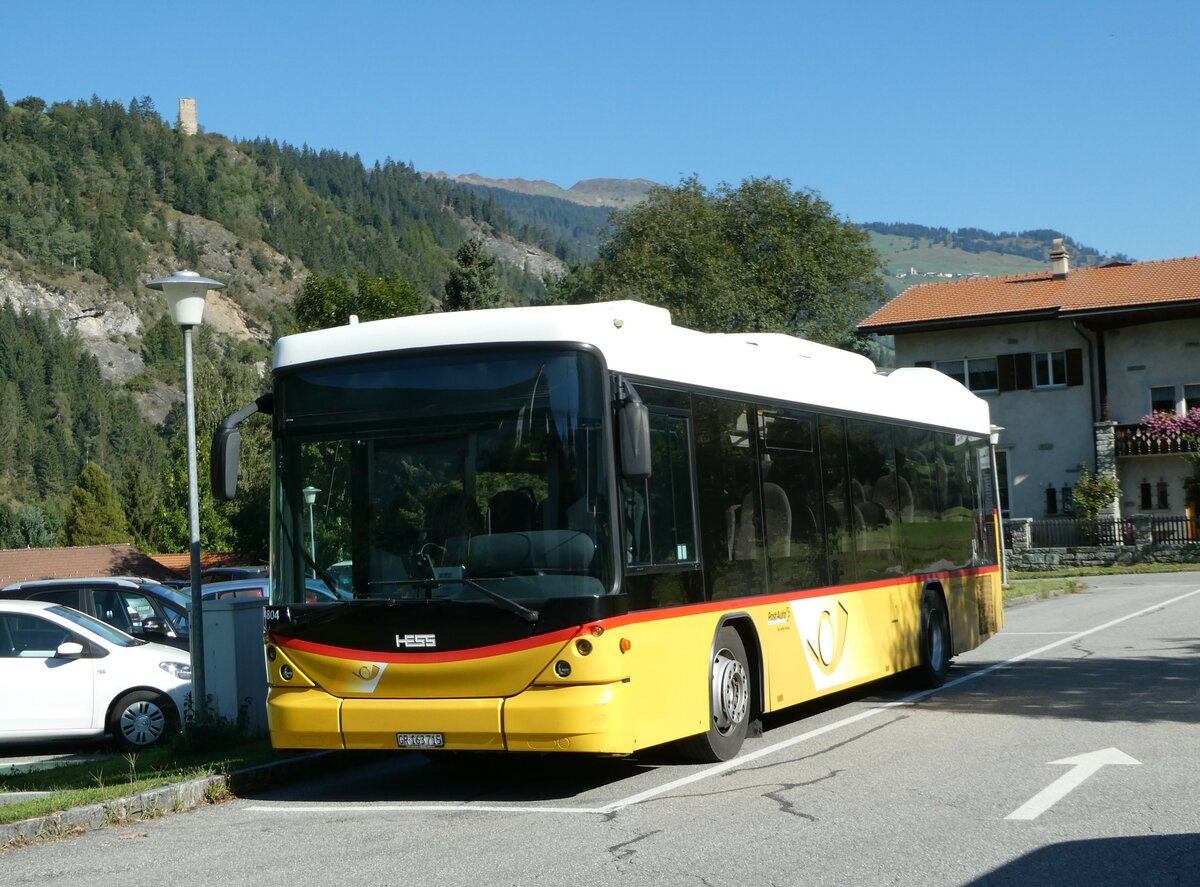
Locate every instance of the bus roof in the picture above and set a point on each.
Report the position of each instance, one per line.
(639, 340)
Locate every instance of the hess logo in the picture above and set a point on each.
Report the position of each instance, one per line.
(827, 642)
(418, 641)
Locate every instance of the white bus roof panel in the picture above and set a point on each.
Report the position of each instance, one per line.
(639, 340)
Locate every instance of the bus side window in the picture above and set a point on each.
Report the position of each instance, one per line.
(728, 479)
(659, 517)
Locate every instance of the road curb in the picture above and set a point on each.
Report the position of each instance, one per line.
(175, 798)
(154, 802)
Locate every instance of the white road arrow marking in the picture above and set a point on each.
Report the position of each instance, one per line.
(1083, 766)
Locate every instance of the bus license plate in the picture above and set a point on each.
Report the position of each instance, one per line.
(420, 740)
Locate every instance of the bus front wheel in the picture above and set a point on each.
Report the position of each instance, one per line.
(730, 695)
(934, 641)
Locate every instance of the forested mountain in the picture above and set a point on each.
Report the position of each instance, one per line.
(570, 231)
(96, 185)
(913, 253)
(56, 415)
(1030, 244)
(96, 198)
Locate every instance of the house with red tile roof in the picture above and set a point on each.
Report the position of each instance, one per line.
(1069, 361)
(23, 564)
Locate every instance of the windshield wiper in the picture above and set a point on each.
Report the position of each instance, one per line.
(530, 616)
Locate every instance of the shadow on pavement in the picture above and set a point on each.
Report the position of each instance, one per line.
(1161, 860)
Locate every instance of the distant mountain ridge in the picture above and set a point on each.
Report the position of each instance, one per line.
(570, 223)
(615, 193)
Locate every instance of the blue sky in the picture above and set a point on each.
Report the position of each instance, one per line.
(1084, 117)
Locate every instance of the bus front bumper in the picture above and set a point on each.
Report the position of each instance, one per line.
(578, 718)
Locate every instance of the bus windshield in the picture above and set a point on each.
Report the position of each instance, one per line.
(464, 474)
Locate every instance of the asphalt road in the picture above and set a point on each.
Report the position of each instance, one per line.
(1063, 751)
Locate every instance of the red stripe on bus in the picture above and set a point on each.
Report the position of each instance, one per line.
(564, 635)
(782, 597)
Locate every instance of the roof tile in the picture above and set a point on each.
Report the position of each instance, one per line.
(1083, 289)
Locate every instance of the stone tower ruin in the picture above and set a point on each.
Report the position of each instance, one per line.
(187, 117)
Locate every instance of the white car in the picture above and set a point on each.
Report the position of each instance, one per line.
(67, 675)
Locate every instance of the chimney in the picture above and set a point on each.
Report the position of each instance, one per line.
(1060, 262)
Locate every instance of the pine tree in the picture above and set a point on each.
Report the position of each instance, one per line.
(94, 514)
(473, 283)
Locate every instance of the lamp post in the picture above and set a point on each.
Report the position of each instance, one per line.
(993, 439)
(310, 496)
(186, 292)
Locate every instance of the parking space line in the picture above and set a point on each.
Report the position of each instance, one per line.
(334, 807)
(747, 757)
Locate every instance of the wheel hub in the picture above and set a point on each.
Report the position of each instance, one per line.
(731, 692)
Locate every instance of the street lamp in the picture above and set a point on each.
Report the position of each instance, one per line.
(993, 439)
(186, 292)
(310, 496)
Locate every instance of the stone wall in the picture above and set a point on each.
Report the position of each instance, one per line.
(1141, 550)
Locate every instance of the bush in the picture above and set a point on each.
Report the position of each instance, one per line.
(1094, 492)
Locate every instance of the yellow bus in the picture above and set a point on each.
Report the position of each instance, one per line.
(586, 529)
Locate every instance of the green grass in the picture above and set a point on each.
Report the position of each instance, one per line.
(1105, 571)
(1042, 588)
(96, 781)
(1049, 583)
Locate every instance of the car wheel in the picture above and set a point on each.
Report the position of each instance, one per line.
(730, 694)
(140, 719)
(934, 641)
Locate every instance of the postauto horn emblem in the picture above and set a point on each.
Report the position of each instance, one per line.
(827, 644)
(366, 672)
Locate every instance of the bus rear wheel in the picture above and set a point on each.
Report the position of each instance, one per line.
(730, 696)
(934, 641)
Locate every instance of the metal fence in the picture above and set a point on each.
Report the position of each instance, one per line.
(1069, 532)
(1175, 529)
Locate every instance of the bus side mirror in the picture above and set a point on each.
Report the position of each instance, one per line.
(223, 463)
(635, 440)
(227, 448)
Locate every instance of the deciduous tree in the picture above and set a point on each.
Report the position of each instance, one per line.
(761, 256)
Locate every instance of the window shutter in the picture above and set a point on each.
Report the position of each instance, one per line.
(1074, 366)
(1023, 364)
(1006, 372)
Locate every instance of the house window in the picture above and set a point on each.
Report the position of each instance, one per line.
(1051, 500)
(1050, 369)
(1162, 399)
(1191, 398)
(1147, 497)
(977, 373)
(1162, 495)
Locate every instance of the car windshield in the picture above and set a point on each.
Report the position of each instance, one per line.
(431, 475)
(95, 626)
(175, 596)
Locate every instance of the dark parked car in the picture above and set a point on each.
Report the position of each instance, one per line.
(140, 607)
(228, 574)
(315, 591)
